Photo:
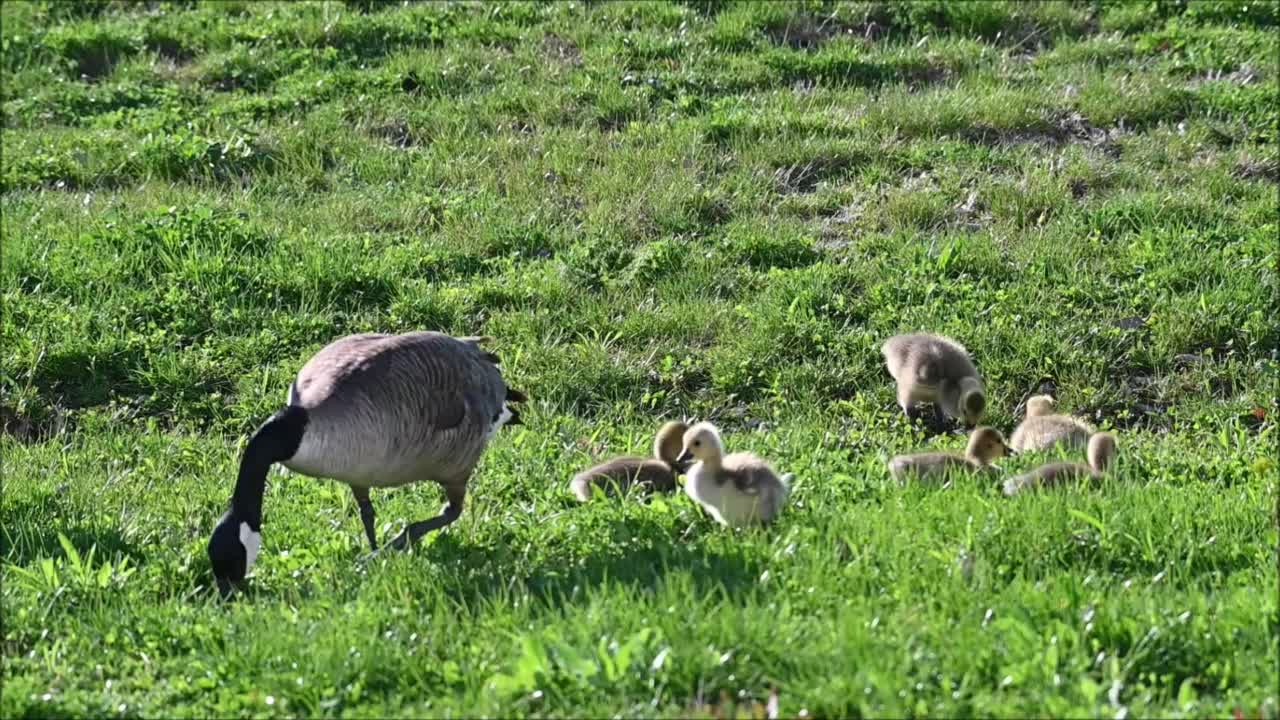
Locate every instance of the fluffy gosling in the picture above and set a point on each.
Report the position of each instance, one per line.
(1101, 451)
(737, 490)
(938, 370)
(1042, 428)
(621, 473)
(985, 445)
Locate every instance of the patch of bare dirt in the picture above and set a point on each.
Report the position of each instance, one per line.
(28, 429)
(1244, 75)
(1069, 128)
(1252, 168)
(745, 705)
(521, 127)
(169, 49)
(562, 50)
(804, 178)
(396, 132)
(809, 31)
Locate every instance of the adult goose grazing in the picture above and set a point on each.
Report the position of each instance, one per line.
(372, 410)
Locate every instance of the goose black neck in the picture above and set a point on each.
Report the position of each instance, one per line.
(277, 440)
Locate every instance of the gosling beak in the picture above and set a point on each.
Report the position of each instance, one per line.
(685, 458)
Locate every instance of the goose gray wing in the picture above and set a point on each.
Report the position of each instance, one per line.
(391, 409)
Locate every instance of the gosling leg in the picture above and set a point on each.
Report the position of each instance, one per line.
(366, 514)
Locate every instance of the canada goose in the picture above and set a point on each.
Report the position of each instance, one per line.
(1042, 428)
(985, 445)
(938, 370)
(738, 489)
(1101, 450)
(656, 473)
(372, 410)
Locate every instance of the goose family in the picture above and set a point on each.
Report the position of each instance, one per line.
(380, 410)
(984, 446)
(1042, 428)
(372, 411)
(737, 490)
(621, 473)
(935, 369)
(1101, 451)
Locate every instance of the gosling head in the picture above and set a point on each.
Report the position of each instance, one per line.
(701, 442)
(232, 549)
(1101, 450)
(1038, 405)
(973, 401)
(986, 444)
(668, 443)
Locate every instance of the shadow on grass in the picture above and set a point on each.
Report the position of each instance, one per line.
(640, 554)
(29, 530)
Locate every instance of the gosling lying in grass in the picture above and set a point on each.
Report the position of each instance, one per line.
(1101, 450)
(1042, 428)
(985, 445)
(621, 473)
(938, 370)
(737, 490)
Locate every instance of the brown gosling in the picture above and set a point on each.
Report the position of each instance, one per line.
(1042, 428)
(938, 370)
(985, 445)
(621, 473)
(1101, 451)
(737, 490)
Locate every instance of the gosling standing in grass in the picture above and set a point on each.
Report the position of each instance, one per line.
(985, 445)
(1101, 451)
(1042, 428)
(938, 370)
(620, 474)
(737, 490)
(372, 410)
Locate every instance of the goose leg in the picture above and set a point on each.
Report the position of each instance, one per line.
(366, 514)
(451, 511)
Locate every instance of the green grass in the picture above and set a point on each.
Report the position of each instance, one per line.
(704, 209)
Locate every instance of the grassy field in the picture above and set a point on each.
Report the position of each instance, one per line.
(705, 209)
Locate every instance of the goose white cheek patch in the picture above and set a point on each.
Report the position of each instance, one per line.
(502, 420)
(251, 542)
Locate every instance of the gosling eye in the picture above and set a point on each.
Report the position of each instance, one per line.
(697, 443)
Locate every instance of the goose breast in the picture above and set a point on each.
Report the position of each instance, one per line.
(387, 410)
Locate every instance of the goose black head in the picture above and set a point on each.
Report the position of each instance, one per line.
(232, 549)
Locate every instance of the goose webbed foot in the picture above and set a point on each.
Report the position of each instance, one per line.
(416, 530)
